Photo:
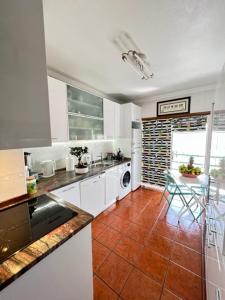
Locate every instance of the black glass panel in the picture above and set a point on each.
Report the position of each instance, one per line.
(25, 223)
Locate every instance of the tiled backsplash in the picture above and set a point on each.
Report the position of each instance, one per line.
(59, 151)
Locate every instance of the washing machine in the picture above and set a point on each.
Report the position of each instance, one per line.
(125, 180)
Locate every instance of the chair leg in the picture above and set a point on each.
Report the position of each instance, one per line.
(188, 207)
(162, 195)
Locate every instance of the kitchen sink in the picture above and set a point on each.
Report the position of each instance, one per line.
(102, 164)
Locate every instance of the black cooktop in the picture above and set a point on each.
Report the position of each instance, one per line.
(27, 222)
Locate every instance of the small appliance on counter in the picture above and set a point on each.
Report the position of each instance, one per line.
(48, 168)
(70, 163)
(28, 164)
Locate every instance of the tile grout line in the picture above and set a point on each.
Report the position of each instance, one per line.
(107, 285)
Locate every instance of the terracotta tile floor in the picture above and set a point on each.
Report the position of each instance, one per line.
(140, 252)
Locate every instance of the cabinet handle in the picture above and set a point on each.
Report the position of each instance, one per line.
(68, 189)
(218, 294)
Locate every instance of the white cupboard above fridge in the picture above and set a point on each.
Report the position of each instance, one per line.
(130, 112)
(58, 110)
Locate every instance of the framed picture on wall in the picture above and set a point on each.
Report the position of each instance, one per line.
(173, 107)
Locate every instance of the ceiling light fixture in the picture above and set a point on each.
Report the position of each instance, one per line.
(135, 58)
(138, 63)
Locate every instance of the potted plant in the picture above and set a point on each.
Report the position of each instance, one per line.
(189, 170)
(81, 167)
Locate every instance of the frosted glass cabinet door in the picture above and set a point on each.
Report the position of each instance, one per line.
(80, 102)
(85, 115)
(84, 128)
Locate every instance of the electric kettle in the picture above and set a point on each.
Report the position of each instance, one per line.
(48, 168)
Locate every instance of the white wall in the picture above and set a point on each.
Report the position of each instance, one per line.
(59, 151)
(201, 100)
(12, 174)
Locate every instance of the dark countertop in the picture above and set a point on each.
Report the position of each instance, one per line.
(60, 179)
(24, 259)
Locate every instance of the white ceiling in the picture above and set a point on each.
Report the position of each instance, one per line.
(184, 40)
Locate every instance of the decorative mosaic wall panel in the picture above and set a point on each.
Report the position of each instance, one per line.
(156, 150)
(157, 135)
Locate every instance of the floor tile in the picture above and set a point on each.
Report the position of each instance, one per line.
(165, 230)
(127, 213)
(190, 226)
(120, 224)
(167, 295)
(109, 237)
(99, 252)
(106, 218)
(140, 287)
(137, 233)
(183, 283)
(169, 217)
(152, 264)
(190, 239)
(114, 271)
(128, 249)
(187, 258)
(97, 228)
(159, 244)
(139, 246)
(102, 291)
(145, 220)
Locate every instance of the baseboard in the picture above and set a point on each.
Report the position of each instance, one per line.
(154, 187)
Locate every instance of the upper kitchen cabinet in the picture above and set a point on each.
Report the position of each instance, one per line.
(109, 119)
(130, 112)
(24, 112)
(85, 113)
(135, 113)
(58, 110)
(112, 119)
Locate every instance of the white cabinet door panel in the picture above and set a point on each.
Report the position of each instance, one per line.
(118, 123)
(58, 110)
(24, 111)
(69, 193)
(93, 194)
(109, 119)
(112, 185)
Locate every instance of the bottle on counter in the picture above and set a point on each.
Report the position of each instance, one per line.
(31, 185)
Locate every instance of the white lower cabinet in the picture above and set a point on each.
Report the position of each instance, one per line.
(111, 186)
(93, 194)
(69, 193)
(66, 273)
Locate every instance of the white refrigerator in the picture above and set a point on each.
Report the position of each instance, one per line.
(136, 155)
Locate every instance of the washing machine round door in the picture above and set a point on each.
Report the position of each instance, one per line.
(125, 180)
